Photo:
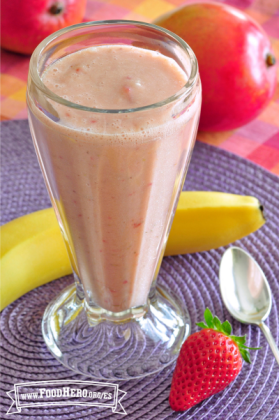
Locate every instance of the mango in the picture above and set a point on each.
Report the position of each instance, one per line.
(236, 62)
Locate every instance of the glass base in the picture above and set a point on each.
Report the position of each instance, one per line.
(109, 346)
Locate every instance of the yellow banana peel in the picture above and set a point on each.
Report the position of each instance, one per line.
(33, 251)
(208, 220)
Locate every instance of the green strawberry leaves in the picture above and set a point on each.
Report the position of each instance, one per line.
(217, 323)
(245, 354)
(202, 325)
(239, 340)
(225, 328)
(208, 318)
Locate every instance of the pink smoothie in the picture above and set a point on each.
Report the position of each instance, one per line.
(114, 178)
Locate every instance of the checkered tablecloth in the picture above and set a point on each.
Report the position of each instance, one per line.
(257, 141)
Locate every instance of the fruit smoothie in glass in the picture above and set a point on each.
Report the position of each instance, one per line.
(113, 111)
(114, 189)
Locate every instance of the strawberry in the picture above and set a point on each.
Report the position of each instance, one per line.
(209, 360)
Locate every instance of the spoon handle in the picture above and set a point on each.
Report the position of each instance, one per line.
(270, 340)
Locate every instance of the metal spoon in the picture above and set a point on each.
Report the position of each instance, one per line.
(246, 292)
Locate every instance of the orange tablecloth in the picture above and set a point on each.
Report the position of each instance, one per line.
(258, 141)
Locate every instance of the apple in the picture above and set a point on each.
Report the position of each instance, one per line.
(236, 63)
(25, 23)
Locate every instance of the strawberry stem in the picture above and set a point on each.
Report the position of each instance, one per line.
(225, 328)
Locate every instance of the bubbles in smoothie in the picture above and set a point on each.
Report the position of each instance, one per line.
(101, 87)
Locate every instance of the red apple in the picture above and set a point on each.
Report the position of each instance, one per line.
(25, 23)
(235, 59)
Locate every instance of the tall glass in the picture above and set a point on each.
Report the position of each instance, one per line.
(114, 191)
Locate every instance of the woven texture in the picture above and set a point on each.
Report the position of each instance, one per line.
(257, 141)
(194, 278)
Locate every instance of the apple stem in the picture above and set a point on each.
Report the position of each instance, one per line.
(270, 60)
(56, 9)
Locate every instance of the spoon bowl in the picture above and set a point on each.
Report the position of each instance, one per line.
(244, 288)
(245, 291)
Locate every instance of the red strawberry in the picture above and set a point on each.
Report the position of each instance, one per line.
(209, 360)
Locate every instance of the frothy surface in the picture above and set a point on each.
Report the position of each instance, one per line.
(115, 77)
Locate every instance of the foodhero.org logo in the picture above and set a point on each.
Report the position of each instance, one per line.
(64, 392)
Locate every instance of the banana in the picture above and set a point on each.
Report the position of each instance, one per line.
(208, 220)
(33, 251)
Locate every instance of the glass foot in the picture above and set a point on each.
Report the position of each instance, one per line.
(107, 346)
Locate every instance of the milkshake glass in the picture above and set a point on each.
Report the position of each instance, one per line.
(114, 177)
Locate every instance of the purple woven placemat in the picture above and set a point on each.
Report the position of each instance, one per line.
(194, 278)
